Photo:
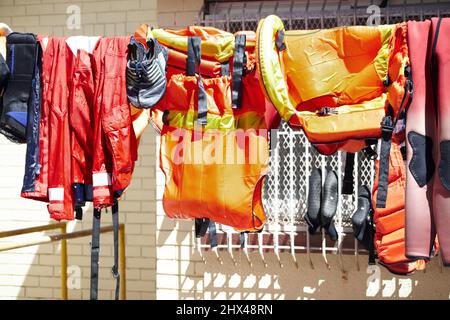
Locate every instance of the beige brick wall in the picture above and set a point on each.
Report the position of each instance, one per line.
(34, 272)
(178, 13)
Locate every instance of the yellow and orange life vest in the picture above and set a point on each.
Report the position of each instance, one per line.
(337, 84)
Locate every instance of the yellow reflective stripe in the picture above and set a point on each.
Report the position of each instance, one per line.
(381, 61)
(269, 67)
(219, 47)
(187, 120)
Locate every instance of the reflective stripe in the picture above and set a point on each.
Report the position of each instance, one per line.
(227, 121)
(56, 194)
(101, 179)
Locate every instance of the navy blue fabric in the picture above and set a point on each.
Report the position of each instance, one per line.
(4, 73)
(212, 234)
(19, 117)
(32, 166)
(21, 60)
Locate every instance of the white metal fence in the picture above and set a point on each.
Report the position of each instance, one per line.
(291, 162)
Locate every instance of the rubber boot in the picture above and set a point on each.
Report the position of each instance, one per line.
(312, 216)
(361, 217)
(329, 204)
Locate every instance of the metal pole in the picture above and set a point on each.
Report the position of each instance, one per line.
(18, 232)
(64, 293)
(63, 236)
(122, 262)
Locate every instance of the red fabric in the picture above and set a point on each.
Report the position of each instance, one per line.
(82, 119)
(115, 146)
(59, 134)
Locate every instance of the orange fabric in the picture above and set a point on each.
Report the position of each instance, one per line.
(390, 221)
(343, 69)
(208, 68)
(213, 173)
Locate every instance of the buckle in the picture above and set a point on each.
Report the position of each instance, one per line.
(325, 111)
(370, 153)
(387, 124)
(408, 71)
(115, 272)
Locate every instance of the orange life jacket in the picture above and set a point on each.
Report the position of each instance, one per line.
(217, 43)
(214, 170)
(337, 84)
(390, 221)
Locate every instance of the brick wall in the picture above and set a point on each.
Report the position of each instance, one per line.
(178, 13)
(34, 272)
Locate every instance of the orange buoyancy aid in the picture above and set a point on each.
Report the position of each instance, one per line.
(337, 84)
(213, 40)
(214, 169)
(390, 221)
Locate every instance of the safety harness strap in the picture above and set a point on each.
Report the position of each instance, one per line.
(347, 186)
(78, 213)
(193, 62)
(387, 128)
(95, 252)
(368, 150)
(115, 268)
(201, 226)
(238, 71)
(242, 239)
(212, 234)
(372, 252)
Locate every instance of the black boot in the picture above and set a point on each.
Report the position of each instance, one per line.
(329, 204)
(361, 217)
(312, 216)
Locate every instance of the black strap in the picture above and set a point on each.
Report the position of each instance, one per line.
(370, 153)
(238, 71)
(190, 60)
(194, 58)
(242, 239)
(78, 212)
(387, 128)
(201, 226)
(434, 65)
(212, 234)
(279, 41)
(95, 252)
(115, 268)
(347, 186)
(371, 240)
